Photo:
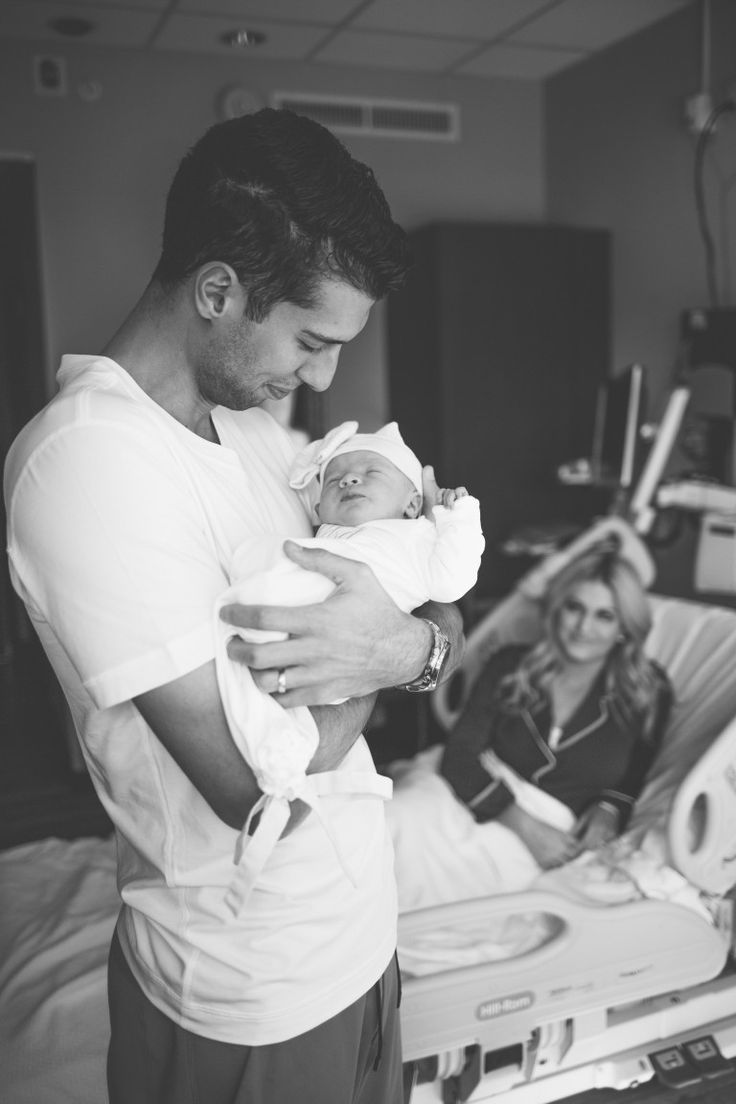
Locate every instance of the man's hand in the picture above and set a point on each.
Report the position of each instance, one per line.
(355, 642)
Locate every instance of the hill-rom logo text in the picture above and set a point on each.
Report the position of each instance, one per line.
(503, 1006)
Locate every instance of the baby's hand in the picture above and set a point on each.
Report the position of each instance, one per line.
(438, 496)
(448, 496)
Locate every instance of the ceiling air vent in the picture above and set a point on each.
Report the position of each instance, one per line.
(389, 118)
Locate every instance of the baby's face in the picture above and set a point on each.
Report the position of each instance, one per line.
(364, 486)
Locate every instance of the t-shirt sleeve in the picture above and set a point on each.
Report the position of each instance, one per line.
(108, 544)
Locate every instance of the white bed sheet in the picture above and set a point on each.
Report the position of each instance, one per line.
(59, 907)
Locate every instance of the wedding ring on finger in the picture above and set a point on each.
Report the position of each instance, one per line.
(281, 682)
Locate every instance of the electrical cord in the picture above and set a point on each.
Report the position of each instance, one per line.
(700, 204)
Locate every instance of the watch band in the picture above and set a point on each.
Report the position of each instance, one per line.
(430, 676)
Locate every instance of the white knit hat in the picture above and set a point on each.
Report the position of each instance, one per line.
(311, 462)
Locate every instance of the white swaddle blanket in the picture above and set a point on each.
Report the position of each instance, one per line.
(414, 560)
(277, 743)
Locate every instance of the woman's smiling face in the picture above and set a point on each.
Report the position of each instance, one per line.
(365, 486)
(588, 624)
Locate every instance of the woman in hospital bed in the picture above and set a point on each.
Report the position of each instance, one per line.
(550, 751)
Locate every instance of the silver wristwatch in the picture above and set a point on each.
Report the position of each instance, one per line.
(430, 676)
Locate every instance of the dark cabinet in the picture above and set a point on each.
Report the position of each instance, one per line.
(497, 345)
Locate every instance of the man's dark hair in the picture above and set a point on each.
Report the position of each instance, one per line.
(279, 198)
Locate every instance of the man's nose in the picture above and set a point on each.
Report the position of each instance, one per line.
(319, 372)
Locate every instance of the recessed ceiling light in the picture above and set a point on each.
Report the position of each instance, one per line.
(71, 26)
(243, 39)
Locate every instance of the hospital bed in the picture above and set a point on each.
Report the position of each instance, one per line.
(618, 967)
(594, 985)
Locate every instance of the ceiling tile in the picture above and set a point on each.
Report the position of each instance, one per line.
(113, 26)
(200, 34)
(416, 35)
(479, 19)
(519, 62)
(295, 11)
(593, 24)
(386, 51)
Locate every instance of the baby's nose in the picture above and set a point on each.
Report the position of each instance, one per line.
(349, 480)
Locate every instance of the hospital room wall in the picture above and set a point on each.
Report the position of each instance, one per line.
(619, 155)
(602, 145)
(103, 167)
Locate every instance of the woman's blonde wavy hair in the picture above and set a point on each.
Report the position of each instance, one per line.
(632, 681)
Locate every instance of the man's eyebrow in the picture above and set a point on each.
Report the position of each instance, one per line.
(322, 338)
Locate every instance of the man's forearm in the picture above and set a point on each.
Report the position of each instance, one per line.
(339, 727)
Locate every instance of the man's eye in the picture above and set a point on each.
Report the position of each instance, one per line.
(309, 348)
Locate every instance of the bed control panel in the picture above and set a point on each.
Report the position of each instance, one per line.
(691, 1063)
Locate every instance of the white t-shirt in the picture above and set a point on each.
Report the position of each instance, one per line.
(120, 525)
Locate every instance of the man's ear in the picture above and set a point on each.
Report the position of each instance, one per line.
(414, 506)
(218, 292)
(316, 509)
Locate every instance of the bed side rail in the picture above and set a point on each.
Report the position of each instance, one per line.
(597, 957)
(702, 824)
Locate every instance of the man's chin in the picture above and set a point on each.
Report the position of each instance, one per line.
(244, 402)
(232, 400)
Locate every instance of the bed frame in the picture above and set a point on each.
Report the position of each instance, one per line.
(615, 984)
(620, 992)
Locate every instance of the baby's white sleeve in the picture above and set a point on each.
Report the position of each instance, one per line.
(454, 560)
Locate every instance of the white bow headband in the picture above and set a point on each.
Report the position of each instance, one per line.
(311, 462)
